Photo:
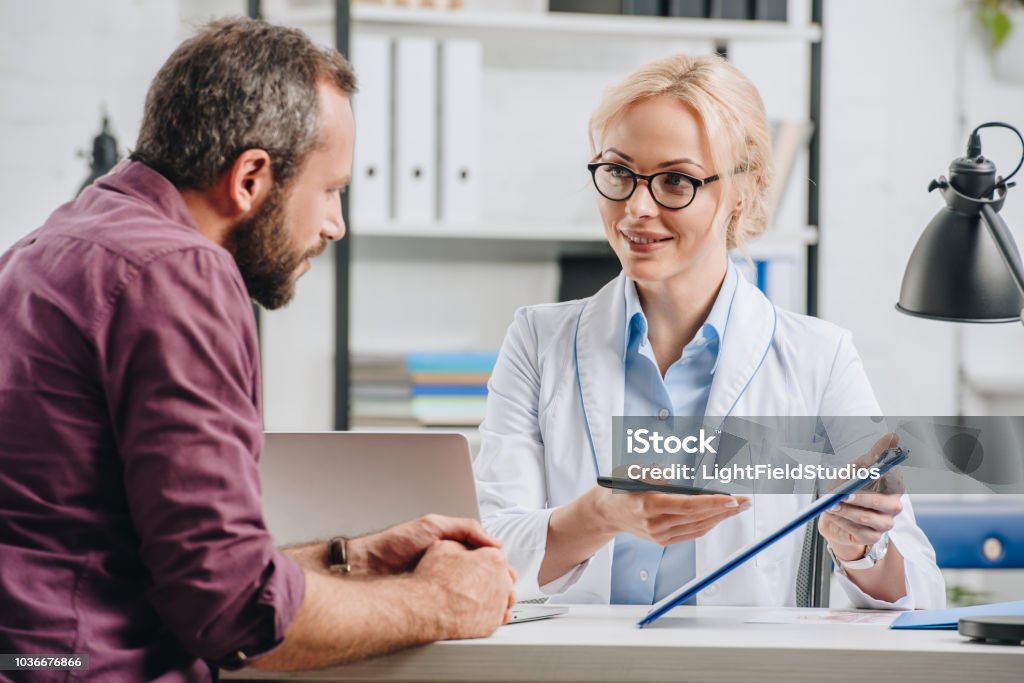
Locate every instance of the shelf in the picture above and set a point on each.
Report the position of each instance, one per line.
(530, 233)
(774, 238)
(486, 24)
(995, 383)
(396, 242)
(529, 242)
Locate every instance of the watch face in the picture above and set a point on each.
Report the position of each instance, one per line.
(878, 550)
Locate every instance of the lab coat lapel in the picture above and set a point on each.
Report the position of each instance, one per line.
(600, 367)
(748, 336)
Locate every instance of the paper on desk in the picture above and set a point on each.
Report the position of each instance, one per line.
(947, 618)
(824, 616)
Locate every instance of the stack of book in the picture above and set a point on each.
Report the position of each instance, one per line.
(420, 389)
(766, 10)
(449, 389)
(380, 393)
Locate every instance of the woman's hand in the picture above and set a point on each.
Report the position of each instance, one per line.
(577, 530)
(859, 522)
(664, 518)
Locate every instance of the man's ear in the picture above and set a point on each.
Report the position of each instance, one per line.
(248, 181)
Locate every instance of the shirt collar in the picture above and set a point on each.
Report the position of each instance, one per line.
(136, 179)
(714, 326)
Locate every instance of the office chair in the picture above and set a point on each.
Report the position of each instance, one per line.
(814, 575)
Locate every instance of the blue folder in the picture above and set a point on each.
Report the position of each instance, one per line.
(886, 462)
(946, 619)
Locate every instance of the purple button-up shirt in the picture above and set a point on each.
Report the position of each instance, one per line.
(130, 428)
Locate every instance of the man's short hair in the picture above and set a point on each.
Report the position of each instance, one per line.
(238, 84)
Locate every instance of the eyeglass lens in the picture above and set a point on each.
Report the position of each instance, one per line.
(673, 190)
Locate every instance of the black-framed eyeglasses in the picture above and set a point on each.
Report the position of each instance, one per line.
(670, 189)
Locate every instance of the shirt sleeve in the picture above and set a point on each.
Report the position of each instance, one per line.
(182, 385)
(850, 393)
(510, 468)
(924, 587)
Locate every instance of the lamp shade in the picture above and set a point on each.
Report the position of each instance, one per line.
(956, 273)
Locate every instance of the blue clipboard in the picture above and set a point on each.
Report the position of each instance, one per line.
(889, 459)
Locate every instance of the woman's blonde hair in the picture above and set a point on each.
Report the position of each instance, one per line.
(732, 113)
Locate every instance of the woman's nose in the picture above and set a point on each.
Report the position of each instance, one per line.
(641, 203)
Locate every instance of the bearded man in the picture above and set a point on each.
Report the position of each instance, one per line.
(131, 528)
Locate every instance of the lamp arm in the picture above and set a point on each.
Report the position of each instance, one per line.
(1007, 247)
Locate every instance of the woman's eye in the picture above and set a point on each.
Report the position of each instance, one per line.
(677, 184)
(616, 172)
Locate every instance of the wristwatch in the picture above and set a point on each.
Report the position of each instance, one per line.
(872, 557)
(337, 555)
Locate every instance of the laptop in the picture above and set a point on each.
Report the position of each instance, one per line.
(324, 484)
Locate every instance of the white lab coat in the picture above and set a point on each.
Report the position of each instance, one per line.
(536, 455)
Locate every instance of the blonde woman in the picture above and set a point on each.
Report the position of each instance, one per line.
(681, 166)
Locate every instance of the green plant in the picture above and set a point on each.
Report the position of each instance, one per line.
(961, 596)
(994, 16)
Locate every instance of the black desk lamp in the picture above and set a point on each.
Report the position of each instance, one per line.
(957, 273)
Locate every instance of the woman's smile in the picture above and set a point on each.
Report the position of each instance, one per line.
(644, 241)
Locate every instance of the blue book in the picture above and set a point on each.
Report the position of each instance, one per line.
(449, 390)
(946, 619)
(451, 361)
(761, 266)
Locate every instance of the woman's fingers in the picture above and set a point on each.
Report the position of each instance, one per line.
(693, 507)
(673, 531)
(873, 510)
(850, 533)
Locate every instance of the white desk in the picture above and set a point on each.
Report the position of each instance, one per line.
(596, 643)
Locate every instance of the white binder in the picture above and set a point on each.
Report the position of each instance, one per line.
(415, 111)
(461, 73)
(371, 174)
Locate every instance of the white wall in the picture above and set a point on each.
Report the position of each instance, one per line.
(904, 83)
(992, 354)
(889, 126)
(895, 113)
(61, 62)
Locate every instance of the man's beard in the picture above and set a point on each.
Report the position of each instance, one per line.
(269, 263)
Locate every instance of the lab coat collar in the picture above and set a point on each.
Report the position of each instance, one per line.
(601, 369)
(743, 349)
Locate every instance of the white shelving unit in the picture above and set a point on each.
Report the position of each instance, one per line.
(485, 25)
(438, 286)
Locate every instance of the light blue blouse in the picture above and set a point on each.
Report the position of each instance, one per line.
(643, 572)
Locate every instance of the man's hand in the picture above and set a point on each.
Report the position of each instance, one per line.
(453, 592)
(400, 548)
(473, 589)
(859, 522)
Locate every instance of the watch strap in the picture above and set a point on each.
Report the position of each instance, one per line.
(337, 555)
(873, 554)
(866, 562)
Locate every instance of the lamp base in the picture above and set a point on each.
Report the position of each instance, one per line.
(997, 630)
